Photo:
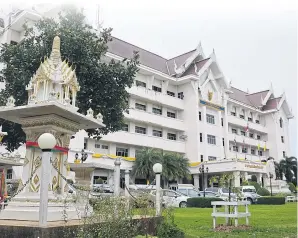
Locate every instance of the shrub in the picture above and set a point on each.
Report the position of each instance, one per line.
(271, 200)
(169, 230)
(292, 187)
(201, 201)
(254, 178)
(263, 192)
(256, 185)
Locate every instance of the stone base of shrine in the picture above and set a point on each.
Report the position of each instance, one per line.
(25, 207)
(30, 229)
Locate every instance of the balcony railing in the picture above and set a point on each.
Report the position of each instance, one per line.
(154, 96)
(243, 123)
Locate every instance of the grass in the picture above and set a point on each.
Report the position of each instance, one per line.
(276, 221)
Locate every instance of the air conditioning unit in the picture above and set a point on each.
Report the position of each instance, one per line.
(183, 137)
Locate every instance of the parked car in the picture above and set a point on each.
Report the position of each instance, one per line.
(190, 192)
(249, 193)
(171, 198)
(222, 192)
(102, 188)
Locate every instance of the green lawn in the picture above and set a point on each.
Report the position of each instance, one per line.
(266, 221)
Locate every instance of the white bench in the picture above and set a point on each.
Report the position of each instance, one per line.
(236, 215)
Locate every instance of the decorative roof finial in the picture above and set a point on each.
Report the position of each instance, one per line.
(55, 54)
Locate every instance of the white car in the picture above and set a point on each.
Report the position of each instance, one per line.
(172, 198)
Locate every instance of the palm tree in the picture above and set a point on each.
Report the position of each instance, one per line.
(289, 168)
(145, 159)
(174, 166)
(278, 171)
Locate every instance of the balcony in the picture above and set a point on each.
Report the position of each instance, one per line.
(248, 141)
(235, 120)
(153, 119)
(145, 140)
(150, 95)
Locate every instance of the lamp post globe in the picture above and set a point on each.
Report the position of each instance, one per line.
(157, 168)
(46, 141)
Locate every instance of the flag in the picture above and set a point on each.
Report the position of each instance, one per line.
(235, 140)
(265, 146)
(259, 145)
(246, 128)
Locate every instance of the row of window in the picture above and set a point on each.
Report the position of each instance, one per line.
(242, 115)
(210, 118)
(159, 89)
(155, 110)
(155, 132)
(104, 147)
(243, 133)
(244, 150)
(210, 139)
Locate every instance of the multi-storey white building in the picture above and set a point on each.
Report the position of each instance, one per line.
(186, 105)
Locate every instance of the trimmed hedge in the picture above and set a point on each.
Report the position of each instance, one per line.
(263, 192)
(201, 201)
(271, 200)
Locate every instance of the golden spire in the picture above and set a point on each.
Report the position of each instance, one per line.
(55, 54)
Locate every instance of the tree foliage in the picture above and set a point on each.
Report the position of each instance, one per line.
(102, 82)
(288, 166)
(174, 165)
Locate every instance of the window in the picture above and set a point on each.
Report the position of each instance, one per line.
(257, 121)
(202, 158)
(234, 131)
(97, 146)
(104, 147)
(223, 141)
(222, 122)
(243, 133)
(200, 116)
(171, 136)
(258, 137)
(140, 130)
(171, 114)
(251, 135)
(121, 152)
(235, 148)
(85, 144)
(282, 139)
(140, 106)
(210, 119)
(233, 112)
(125, 127)
(260, 153)
(100, 180)
(284, 154)
(242, 115)
(157, 111)
(140, 84)
(280, 122)
(244, 150)
(253, 151)
(157, 133)
(249, 117)
(171, 93)
(211, 158)
(211, 140)
(13, 42)
(180, 95)
(201, 137)
(156, 89)
(9, 174)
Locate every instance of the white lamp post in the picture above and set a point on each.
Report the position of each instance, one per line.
(157, 169)
(46, 143)
(117, 164)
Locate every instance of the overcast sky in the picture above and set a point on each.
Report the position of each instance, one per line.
(255, 41)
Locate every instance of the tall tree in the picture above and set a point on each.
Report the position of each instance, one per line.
(102, 83)
(174, 165)
(289, 168)
(145, 159)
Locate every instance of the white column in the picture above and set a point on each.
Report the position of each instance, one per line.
(205, 181)
(158, 202)
(117, 178)
(44, 187)
(236, 178)
(196, 179)
(226, 128)
(126, 178)
(259, 177)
